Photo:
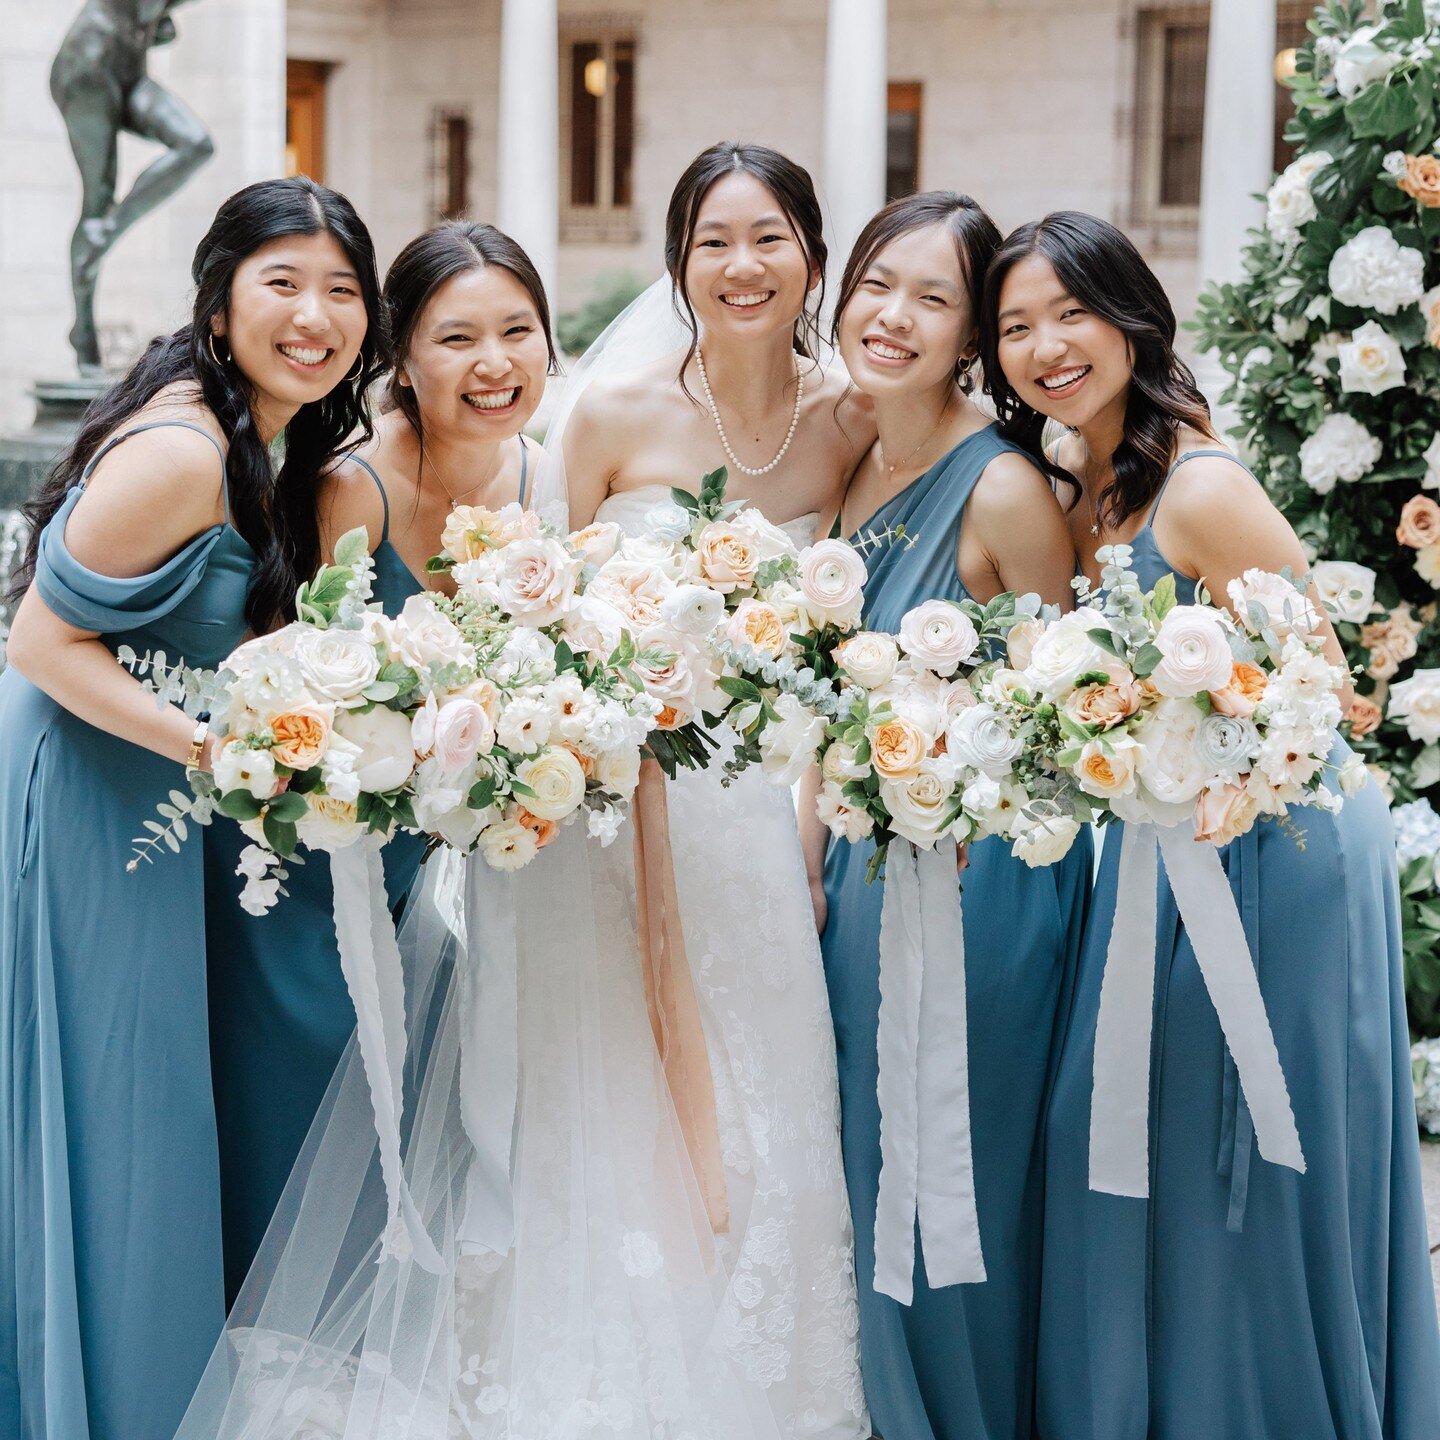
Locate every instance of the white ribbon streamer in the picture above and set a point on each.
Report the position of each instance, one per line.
(1119, 1113)
(926, 1164)
(370, 963)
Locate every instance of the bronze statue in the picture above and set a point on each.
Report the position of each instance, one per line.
(100, 84)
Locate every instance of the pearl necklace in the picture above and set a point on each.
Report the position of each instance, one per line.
(735, 460)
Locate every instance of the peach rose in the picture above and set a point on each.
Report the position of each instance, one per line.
(586, 762)
(1108, 770)
(597, 542)
(1364, 715)
(1390, 642)
(1104, 705)
(897, 748)
(1243, 693)
(544, 831)
(1223, 813)
(301, 737)
(1419, 522)
(1430, 309)
(758, 625)
(1421, 180)
(470, 530)
(727, 557)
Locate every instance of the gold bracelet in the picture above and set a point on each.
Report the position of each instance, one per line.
(197, 745)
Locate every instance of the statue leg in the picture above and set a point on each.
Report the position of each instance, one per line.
(153, 113)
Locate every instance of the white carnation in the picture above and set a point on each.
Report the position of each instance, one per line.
(1340, 449)
(1373, 271)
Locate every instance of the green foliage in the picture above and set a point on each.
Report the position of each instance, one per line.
(576, 330)
(1277, 332)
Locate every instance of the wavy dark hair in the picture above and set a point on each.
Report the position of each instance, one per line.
(424, 265)
(274, 512)
(976, 237)
(794, 192)
(1100, 267)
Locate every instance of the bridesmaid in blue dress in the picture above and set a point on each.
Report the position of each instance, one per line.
(471, 330)
(163, 528)
(1243, 1298)
(978, 519)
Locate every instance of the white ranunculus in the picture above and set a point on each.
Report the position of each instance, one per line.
(1415, 702)
(1360, 61)
(423, 636)
(536, 580)
(789, 745)
(508, 845)
(841, 819)
(1285, 609)
(1195, 652)
(918, 805)
(693, 609)
(1340, 449)
(1047, 841)
(1431, 458)
(832, 580)
(1171, 767)
(868, 658)
(1289, 205)
(1226, 743)
(252, 771)
(386, 757)
(939, 635)
(981, 737)
(462, 733)
(557, 782)
(1373, 271)
(337, 664)
(1064, 652)
(1370, 361)
(328, 824)
(1349, 587)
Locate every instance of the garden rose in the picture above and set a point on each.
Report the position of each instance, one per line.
(463, 732)
(1065, 652)
(918, 805)
(788, 746)
(757, 625)
(897, 747)
(1415, 702)
(1020, 641)
(1419, 522)
(1370, 361)
(1421, 180)
(594, 625)
(301, 736)
(1427, 564)
(470, 531)
(1348, 587)
(424, 636)
(939, 635)
(840, 764)
(1391, 642)
(832, 580)
(329, 824)
(771, 542)
(1242, 692)
(726, 557)
(1286, 609)
(335, 664)
(1194, 649)
(1103, 706)
(596, 542)
(1107, 768)
(536, 580)
(868, 658)
(1170, 765)
(1224, 812)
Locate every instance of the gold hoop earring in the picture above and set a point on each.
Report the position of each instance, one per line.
(213, 355)
(359, 369)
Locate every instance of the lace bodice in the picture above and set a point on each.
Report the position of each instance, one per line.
(628, 509)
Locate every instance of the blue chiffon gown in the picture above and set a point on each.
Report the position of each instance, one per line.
(111, 1292)
(1244, 1299)
(957, 1364)
(280, 1014)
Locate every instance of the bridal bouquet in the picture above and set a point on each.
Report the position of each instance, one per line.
(1155, 711)
(921, 751)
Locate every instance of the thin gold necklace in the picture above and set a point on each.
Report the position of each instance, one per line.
(891, 469)
(452, 497)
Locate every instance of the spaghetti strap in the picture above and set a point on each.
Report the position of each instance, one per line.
(115, 440)
(1179, 461)
(369, 469)
(524, 468)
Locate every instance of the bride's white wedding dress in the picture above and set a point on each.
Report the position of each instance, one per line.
(789, 1305)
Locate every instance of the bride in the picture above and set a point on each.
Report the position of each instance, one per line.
(740, 388)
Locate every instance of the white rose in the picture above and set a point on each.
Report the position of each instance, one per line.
(1195, 652)
(1354, 775)
(557, 781)
(508, 845)
(918, 806)
(328, 824)
(693, 609)
(1340, 449)
(423, 636)
(386, 757)
(618, 770)
(832, 580)
(938, 635)
(770, 540)
(839, 763)
(1064, 652)
(787, 747)
(1373, 271)
(636, 588)
(252, 771)
(868, 658)
(668, 522)
(527, 655)
(597, 542)
(1360, 61)
(1047, 841)
(1416, 702)
(594, 626)
(1348, 587)
(460, 826)
(1370, 361)
(1289, 204)
(839, 817)
(536, 580)
(981, 737)
(337, 664)
(1170, 765)
(655, 553)
(1431, 458)
(1282, 608)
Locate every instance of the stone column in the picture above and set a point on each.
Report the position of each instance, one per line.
(1237, 153)
(529, 170)
(855, 105)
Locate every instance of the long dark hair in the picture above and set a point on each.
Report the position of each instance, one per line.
(794, 192)
(1101, 268)
(976, 238)
(424, 265)
(275, 513)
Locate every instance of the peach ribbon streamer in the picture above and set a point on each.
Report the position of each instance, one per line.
(670, 994)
